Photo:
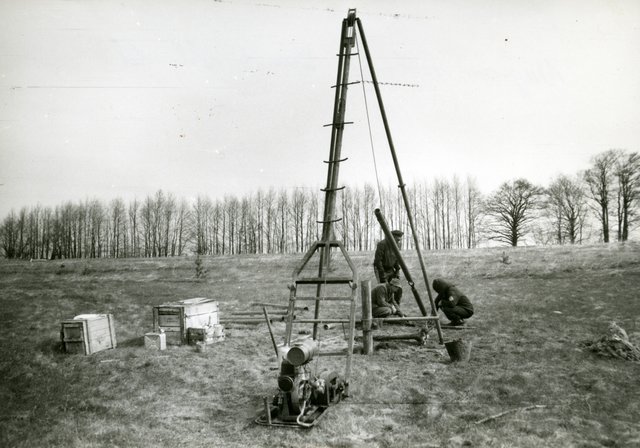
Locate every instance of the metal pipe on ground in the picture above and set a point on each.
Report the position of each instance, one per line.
(274, 305)
(420, 337)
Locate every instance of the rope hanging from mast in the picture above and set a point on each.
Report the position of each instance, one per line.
(366, 107)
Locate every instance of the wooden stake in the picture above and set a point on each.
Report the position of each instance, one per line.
(273, 340)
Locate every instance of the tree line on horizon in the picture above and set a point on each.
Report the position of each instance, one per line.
(449, 214)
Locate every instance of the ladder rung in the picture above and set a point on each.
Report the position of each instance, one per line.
(332, 243)
(350, 54)
(332, 189)
(337, 124)
(346, 84)
(406, 319)
(327, 222)
(323, 280)
(323, 298)
(336, 161)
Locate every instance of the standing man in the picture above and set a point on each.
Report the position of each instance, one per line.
(385, 262)
(455, 305)
(384, 299)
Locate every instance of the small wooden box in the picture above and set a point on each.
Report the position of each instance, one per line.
(88, 333)
(155, 341)
(175, 318)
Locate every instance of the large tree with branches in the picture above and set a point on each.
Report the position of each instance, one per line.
(566, 201)
(511, 208)
(628, 176)
(600, 178)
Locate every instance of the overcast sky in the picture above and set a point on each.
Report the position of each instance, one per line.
(106, 99)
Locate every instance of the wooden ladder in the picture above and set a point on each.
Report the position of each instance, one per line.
(322, 280)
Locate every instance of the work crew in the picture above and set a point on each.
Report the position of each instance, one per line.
(454, 304)
(385, 261)
(385, 299)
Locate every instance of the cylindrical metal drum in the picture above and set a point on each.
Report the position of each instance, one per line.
(302, 352)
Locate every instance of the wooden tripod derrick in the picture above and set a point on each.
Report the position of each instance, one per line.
(331, 283)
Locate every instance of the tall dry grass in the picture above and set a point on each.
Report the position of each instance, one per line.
(532, 314)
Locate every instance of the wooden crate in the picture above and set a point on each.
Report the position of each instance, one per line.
(88, 333)
(175, 318)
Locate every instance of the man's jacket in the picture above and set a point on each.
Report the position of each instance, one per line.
(450, 296)
(385, 261)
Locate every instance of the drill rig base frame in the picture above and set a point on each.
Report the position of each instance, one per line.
(278, 413)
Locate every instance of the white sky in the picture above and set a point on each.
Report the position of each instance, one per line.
(106, 99)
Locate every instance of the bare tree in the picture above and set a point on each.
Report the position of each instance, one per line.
(179, 236)
(283, 221)
(132, 226)
(423, 222)
(566, 201)
(599, 178)
(473, 212)
(201, 213)
(312, 228)
(269, 231)
(627, 173)
(369, 206)
(298, 208)
(9, 236)
(511, 208)
(95, 225)
(118, 228)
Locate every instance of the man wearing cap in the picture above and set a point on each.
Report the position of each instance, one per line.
(455, 305)
(384, 299)
(385, 262)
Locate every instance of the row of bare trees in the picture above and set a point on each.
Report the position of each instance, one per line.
(448, 214)
(560, 213)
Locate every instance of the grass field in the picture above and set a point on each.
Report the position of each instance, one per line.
(533, 316)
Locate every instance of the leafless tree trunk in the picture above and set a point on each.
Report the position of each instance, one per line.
(298, 203)
(473, 212)
(599, 178)
(566, 201)
(628, 177)
(282, 206)
(117, 228)
(512, 207)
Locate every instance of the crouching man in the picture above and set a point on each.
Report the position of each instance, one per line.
(385, 299)
(454, 304)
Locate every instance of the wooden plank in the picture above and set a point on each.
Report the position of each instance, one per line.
(156, 322)
(112, 328)
(323, 280)
(98, 324)
(201, 320)
(201, 308)
(164, 309)
(87, 342)
(320, 299)
(168, 320)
